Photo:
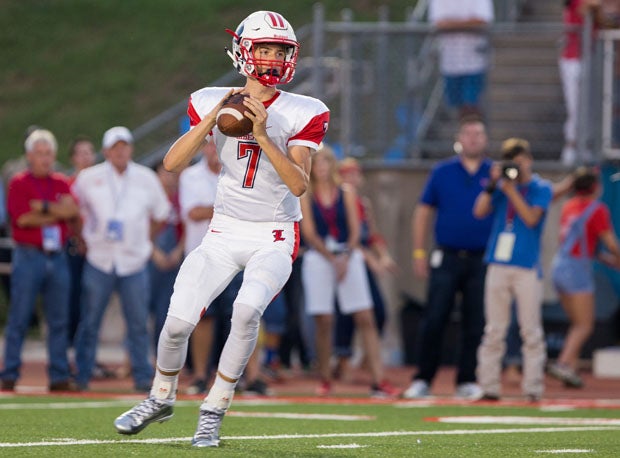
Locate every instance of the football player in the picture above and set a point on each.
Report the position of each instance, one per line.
(255, 226)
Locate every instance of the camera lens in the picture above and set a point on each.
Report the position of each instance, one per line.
(510, 170)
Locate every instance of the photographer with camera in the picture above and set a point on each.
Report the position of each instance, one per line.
(518, 201)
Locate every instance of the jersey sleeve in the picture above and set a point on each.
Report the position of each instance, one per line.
(194, 117)
(313, 133)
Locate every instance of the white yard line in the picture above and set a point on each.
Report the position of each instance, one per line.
(523, 420)
(456, 432)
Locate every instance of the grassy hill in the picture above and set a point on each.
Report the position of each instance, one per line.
(81, 66)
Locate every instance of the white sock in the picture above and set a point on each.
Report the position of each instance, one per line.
(165, 387)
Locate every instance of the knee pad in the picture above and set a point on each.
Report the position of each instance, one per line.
(176, 331)
(245, 321)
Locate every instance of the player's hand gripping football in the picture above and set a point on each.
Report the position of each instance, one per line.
(211, 117)
(258, 114)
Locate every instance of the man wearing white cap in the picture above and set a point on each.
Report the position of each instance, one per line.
(119, 200)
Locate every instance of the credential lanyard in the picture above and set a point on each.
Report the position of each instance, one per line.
(117, 192)
(510, 209)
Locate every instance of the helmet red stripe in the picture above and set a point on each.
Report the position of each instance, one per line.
(276, 20)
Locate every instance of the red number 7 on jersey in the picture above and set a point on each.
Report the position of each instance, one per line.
(253, 152)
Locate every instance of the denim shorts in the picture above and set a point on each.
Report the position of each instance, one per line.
(464, 89)
(572, 275)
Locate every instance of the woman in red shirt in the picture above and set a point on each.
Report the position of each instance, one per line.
(583, 223)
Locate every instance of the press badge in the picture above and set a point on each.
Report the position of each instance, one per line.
(505, 246)
(51, 238)
(114, 231)
(436, 258)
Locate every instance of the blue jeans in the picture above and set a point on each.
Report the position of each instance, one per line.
(162, 282)
(97, 287)
(35, 272)
(457, 273)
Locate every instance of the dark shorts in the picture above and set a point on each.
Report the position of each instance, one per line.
(464, 89)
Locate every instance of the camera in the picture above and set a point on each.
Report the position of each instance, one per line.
(510, 170)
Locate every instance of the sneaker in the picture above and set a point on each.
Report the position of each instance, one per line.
(7, 385)
(489, 397)
(471, 391)
(565, 374)
(208, 430)
(65, 385)
(199, 386)
(101, 372)
(257, 388)
(384, 390)
(135, 420)
(324, 389)
(418, 389)
(533, 397)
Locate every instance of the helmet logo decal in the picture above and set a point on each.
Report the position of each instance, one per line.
(275, 20)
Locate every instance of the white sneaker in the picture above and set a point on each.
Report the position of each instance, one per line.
(418, 389)
(471, 391)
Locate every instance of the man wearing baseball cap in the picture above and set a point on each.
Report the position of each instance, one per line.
(119, 200)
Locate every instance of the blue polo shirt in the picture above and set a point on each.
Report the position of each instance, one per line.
(452, 191)
(526, 250)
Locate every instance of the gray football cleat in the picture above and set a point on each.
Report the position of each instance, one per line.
(208, 430)
(135, 420)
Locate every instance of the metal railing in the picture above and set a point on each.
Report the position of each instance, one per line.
(382, 84)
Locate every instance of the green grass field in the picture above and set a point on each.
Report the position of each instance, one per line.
(68, 427)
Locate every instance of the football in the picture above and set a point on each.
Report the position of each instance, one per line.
(231, 120)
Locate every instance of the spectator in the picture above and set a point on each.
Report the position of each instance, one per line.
(255, 222)
(334, 267)
(293, 340)
(197, 192)
(570, 65)
(518, 201)
(456, 263)
(377, 259)
(82, 156)
(118, 199)
(583, 223)
(464, 50)
(5, 248)
(168, 248)
(39, 205)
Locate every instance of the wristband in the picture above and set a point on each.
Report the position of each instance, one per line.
(490, 188)
(45, 207)
(419, 253)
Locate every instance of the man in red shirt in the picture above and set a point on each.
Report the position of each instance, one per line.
(39, 204)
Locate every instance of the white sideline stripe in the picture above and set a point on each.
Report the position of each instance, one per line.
(516, 420)
(342, 446)
(121, 403)
(300, 416)
(456, 432)
(232, 413)
(78, 405)
(566, 450)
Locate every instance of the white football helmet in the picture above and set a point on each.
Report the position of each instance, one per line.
(264, 27)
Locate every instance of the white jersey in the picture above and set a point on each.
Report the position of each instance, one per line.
(250, 188)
